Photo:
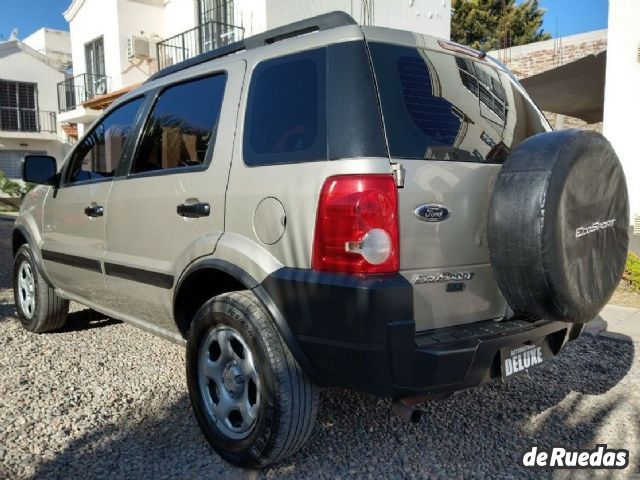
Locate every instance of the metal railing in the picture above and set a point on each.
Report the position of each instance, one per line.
(203, 38)
(74, 91)
(28, 121)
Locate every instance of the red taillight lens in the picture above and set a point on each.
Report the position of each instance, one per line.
(357, 225)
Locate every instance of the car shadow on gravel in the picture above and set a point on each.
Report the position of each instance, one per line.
(480, 433)
(7, 311)
(86, 319)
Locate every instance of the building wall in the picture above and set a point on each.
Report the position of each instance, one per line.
(250, 15)
(115, 21)
(432, 17)
(179, 16)
(527, 60)
(55, 44)
(55, 148)
(145, 19)
(622, 92)
(19, 65)
(96, 18)
(22, 67)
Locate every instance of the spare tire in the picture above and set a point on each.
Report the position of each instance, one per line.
(558, 228)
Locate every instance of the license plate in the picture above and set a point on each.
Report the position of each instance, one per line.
(515, 360)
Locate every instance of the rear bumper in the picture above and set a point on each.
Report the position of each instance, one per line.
(358, 333)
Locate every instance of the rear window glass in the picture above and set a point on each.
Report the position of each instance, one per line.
(443, 107)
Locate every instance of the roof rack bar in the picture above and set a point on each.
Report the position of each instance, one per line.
(326, 21)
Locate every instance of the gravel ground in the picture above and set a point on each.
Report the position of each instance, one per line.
(101, 399)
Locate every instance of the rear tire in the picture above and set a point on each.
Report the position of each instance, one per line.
(39, 308)
(252, 401)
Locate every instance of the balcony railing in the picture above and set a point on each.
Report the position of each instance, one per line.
(27, 121)
(203, 38)
(73, 92)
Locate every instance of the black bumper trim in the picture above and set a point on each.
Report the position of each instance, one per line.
(358, 332)
(365, 347)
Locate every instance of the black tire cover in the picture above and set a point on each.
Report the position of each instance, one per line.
(558, 229)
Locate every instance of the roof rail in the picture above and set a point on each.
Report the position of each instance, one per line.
(326, 21)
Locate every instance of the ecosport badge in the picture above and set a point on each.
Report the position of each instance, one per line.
(432, 213)
(441, 277)
(594, 227)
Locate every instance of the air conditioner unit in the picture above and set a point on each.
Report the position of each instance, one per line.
(138, 47)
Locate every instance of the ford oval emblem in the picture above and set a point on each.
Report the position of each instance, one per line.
(432, 213)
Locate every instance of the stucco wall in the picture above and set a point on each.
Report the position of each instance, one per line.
(55, 148)
(622, 91)
(179, 16)
(55, 44)
(20, 66)
(115, 20)
(134, 18)
(97, 18)
(432, 17)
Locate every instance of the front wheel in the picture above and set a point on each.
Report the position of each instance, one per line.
(250, 397)
(39, 308)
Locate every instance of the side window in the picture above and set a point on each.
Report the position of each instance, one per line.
(286, 110)
(99, 153)
(181, 125)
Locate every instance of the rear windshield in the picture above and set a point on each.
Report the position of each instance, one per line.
(439, 106)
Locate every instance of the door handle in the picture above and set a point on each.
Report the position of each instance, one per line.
(194, 210)
(94, 211)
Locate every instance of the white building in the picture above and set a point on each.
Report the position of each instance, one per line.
(117, 44)
(55, 44)
(29, 102)
(622, 95)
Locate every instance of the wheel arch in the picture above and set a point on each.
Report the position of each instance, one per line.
(207, 278)
(21, 236)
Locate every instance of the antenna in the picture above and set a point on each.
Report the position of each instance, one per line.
(557, 47)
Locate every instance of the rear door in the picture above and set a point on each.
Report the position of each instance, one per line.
(450, 121)
(74, 215)
(170, 208)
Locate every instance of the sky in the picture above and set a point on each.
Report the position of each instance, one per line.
(572, 16)
(30, 15)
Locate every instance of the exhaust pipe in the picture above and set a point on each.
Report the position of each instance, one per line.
(406, 409)
(406, 412)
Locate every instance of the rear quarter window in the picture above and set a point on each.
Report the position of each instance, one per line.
(315, 105)
(286, 117)
(440, 106)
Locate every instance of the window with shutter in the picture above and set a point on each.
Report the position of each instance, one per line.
(18, 106)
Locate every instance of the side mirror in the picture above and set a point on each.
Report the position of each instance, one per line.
(40, 169)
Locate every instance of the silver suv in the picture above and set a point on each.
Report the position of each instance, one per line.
(326, 204)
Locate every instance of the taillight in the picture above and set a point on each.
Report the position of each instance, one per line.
(357, 225)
